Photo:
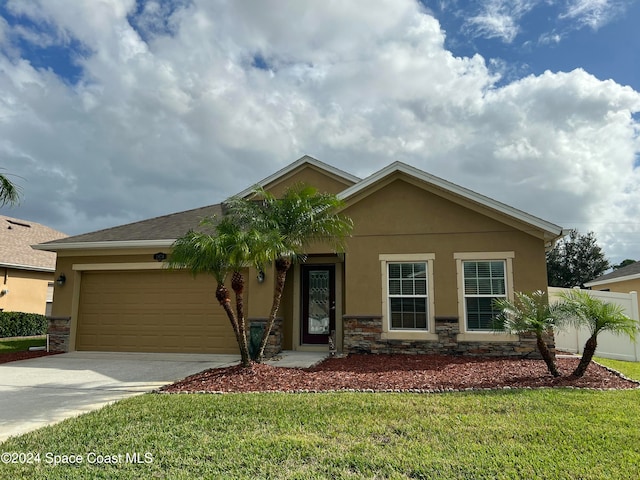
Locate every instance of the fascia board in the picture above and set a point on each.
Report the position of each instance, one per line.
(613, 280)
(54, 247)
(31, 268)
(551, 229)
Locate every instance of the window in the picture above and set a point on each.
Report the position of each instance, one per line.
(408, 295)
(484, 281)
(482, 277)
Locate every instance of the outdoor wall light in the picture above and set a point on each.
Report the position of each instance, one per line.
(260, 276)
(61, 279)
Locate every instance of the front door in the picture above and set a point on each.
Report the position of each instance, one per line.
(318, 303)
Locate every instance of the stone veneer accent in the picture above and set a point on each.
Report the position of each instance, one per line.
(58, 331)
(274, 343)
(362, 334)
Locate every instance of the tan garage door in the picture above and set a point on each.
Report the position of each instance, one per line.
(151, 311)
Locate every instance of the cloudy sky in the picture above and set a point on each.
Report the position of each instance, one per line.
(113, 111)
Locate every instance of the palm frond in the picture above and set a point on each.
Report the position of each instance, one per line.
(9, 192)
(580, 308)
(527, 313)
(302, 215)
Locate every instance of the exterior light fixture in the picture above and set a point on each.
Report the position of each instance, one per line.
(260, 276)
(160, 257)
(61, 279)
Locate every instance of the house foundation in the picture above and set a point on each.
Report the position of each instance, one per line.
(363, 334)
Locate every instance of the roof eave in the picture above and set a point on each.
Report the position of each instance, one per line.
(32, 268)
(103, 245)
(596, 283)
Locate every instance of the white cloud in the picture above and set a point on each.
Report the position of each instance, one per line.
(593, 13)
(500, 18)
(170, 113)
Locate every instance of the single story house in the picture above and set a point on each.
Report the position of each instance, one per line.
(27, 278)
(419, 273)
(622, 280)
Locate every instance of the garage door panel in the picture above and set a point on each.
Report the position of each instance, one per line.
(151, 311)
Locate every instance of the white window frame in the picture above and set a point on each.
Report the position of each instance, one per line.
(482, 335)
(407, 334)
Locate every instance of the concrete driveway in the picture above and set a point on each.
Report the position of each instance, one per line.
(46, 390)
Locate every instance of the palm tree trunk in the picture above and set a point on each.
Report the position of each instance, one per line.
(282, 267)
(587, 355)
(222, 295)
(237, 283)
(548, 358)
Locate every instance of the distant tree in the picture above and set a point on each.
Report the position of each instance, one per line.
(623, 263)
(9, 192)
(575, 260)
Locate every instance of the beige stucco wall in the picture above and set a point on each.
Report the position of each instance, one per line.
(403, 218)
(27, 290)
(625, 286)
(323, 181)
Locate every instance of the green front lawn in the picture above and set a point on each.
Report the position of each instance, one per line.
(22, 344)
(628, 369)
(552, 434)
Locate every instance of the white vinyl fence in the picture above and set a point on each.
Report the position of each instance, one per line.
(618, 347)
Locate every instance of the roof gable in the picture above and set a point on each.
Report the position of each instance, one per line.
(162, 231)
(286, 174)
(16, 238)
(453, 192)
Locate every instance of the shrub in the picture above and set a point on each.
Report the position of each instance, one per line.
(20, 324)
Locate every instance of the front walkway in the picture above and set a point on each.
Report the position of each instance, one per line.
(297, 359)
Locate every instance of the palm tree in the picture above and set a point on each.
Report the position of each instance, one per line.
(530, 314)
(582, 309)
(9, 192)
(303, 215)
(219, 248)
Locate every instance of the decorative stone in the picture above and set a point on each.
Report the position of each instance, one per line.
(59, 330)
(363, 334)
(274, 342)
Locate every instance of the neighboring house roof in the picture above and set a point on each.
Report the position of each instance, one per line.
(630, 272)
(162, 231)
(16, 238)
(550, 230)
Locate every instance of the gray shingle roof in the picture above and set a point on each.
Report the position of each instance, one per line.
(632, 269)
(16, 238)
(166, 227)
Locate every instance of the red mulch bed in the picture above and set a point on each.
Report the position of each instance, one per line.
(399, 373)
(13, 356)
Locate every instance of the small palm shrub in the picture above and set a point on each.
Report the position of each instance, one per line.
(580, 309)
(530, 314)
